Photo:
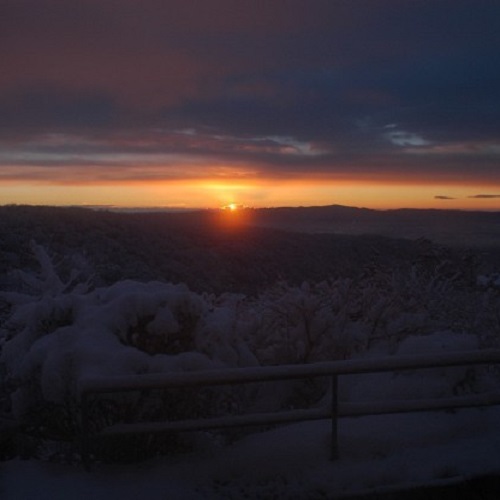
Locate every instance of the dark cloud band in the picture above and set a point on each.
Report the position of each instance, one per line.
(360, 89)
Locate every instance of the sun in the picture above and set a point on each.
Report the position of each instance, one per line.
(234, 216)
(232, 207)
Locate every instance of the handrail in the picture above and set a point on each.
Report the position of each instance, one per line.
(283, 372)
(99, 385)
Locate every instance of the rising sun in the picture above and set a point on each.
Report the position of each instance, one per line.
(231, 207)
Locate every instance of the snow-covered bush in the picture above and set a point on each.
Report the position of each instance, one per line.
(313, 322)
(420, 383)
(56, 335)
(58, 328)
(128, 328)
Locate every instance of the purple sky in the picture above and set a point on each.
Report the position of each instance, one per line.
(361, 91)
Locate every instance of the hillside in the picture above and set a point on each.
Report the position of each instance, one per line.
(87, 293)
(450, 227)
(209, 251)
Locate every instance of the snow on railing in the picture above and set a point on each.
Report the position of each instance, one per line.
(90, 386)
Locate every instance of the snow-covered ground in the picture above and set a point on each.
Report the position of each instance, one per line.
(377, 453)
(60, 332)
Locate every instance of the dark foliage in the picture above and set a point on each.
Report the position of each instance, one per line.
(201, 249)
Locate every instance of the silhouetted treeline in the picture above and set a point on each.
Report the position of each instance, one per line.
(206, 250)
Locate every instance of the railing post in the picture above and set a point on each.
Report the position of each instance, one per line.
(85, 432)
(335, 415)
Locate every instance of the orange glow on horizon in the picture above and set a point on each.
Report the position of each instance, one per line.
(238, 193)
(232, 207)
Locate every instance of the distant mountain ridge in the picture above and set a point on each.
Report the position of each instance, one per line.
(452, 227)
(444, 226)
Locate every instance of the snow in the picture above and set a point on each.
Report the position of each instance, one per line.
(376, 453)
(63, 334)
(492, 280)
(428, 383)
(64, 338)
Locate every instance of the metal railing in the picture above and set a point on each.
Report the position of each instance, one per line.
(90, 387)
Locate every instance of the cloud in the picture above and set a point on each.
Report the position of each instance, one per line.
(485, 196)
(109, 154)
(52, 107)
(323, 88)
(441, 197)
(402, 138)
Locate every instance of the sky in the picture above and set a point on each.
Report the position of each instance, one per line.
(203, 103)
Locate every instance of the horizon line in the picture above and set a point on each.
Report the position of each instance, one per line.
(169, 209)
